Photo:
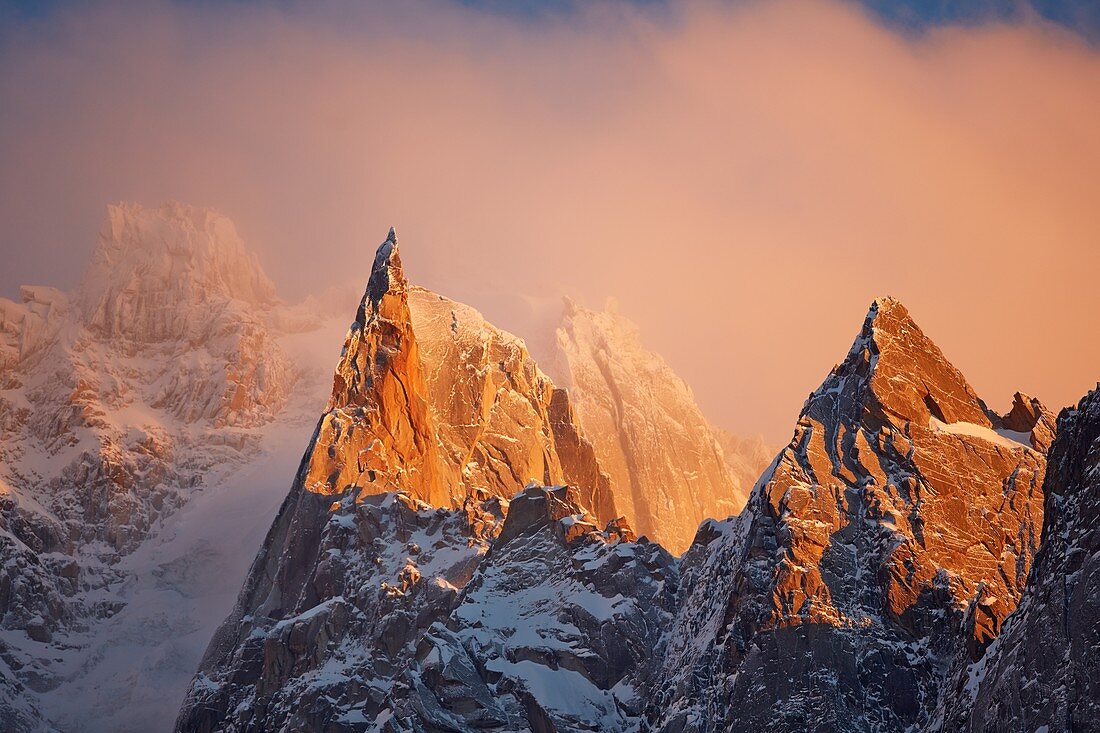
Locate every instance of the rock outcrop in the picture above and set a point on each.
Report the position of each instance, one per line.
(1043, 672)
(895, 530)
(667, 469)
(377, 431)
(334, 607)
(554, 631)
(500, 422)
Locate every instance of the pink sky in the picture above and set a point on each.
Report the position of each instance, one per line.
(745, 181)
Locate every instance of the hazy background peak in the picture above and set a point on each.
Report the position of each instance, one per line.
(744, 177)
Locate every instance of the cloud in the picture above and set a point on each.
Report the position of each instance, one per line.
(744, 178)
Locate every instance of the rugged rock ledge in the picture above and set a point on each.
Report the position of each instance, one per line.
(554, 631)
(1043, 671)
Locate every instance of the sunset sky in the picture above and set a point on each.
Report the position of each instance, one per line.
(744, 177)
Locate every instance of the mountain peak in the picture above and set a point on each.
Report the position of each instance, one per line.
(387, 276)
(376, 434)
(896, 516)
(899, 374)
(886, 302)
(888, 315)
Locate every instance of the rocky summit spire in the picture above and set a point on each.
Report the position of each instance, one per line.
(376, 434)
(429, 401)
(387, 275)
(896, 373)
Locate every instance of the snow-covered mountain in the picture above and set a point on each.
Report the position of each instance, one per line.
(451, 554)
(171, 372)
(882, 549)
(347, 582)
(891, 536)
(152, 419)
(359, 580)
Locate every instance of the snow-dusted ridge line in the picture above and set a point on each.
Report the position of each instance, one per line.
(1005, 438)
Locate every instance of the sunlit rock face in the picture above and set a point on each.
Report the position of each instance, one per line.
(431, 400)
(159, 374)
(377, 433)
(894, 533)
(500, 421)
(667, 469)
(1042, 671)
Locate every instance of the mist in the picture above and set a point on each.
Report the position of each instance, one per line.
(744, 178)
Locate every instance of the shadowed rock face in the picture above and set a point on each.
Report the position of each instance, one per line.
(333, 608)
(896, 528)
(666, 467)
(555, 632)
(1043, 671)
